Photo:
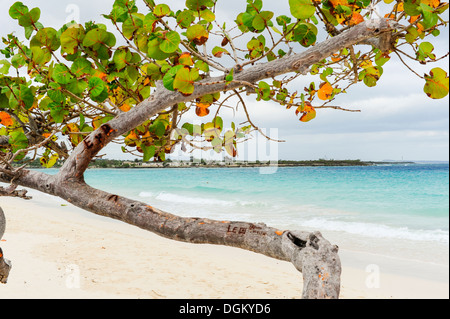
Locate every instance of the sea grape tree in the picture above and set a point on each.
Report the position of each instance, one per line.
(67, 92)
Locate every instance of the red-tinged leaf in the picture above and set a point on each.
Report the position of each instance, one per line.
(197, 34)
(309, 113)
(201, 111)
(437, 84)
(186, 59)
(325, 91)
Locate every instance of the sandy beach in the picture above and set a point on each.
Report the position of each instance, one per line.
(60, 251)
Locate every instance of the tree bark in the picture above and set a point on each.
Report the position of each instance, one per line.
(5, 264)
(310, 253)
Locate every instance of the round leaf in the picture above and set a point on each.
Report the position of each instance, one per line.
(61, 74)
(170, 42)
(437, 84)
(96, 86)
(302, 9)
(197, 34)
(17, 10)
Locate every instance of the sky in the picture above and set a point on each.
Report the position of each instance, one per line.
(397, 120)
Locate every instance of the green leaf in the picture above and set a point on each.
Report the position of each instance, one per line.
(149, 152)
(184, 80)
(161, 10)
(283, 20)
(158, 128)
(120, 58)
(371, 75)
(23, 96)
(118, 14)
(437, 84)
(302, 9)
(218, 52)
(56, 96)
(202, 66)
(264, 91)
(411, 7)
(40, 56)
(5, 68)
(71, 38)
(425, 49)
(81, 66)
(429, 17)
(185, 18)
(198, 5)
(96, 86)
(57, 112)
(95, 36)
(230, 76)
(17, 10)
(131, 25)
(197, 34)
(381, 58)
(305, 33)
(30, 18)
(49, 162)
(170, 76)
(170, 42)
(18, 141)
(61, 74)
(155, 52)
(46, 37)
(261, 19)
(207, 15)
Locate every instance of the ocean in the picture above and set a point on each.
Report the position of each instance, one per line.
(400, 211)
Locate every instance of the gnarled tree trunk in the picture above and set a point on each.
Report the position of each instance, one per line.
(5, 265)
(310, 253)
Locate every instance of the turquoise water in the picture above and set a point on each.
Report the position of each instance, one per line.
(397, 210)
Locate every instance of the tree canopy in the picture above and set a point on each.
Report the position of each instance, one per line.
(60, 84)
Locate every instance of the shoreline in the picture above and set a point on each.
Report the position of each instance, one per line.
(116, 260)
(198, 164)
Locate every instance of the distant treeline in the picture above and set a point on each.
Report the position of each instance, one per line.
(137, 163)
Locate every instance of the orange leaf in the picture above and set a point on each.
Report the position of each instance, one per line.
(335, 3)
(201, 111)
(413, 19)
(335, 57)
(325, 91)
(431, 3)
(357, 18)
(6, 119)
(308, 113)
(125, 107)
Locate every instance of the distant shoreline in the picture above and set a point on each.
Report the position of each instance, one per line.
(199, 164)
(196, 163)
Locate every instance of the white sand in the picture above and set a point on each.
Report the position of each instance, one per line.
(64, 252)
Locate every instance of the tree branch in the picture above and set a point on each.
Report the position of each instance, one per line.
(304, 249)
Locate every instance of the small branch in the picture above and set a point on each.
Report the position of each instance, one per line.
(399, 56)
(250, 121)
(11, 192)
